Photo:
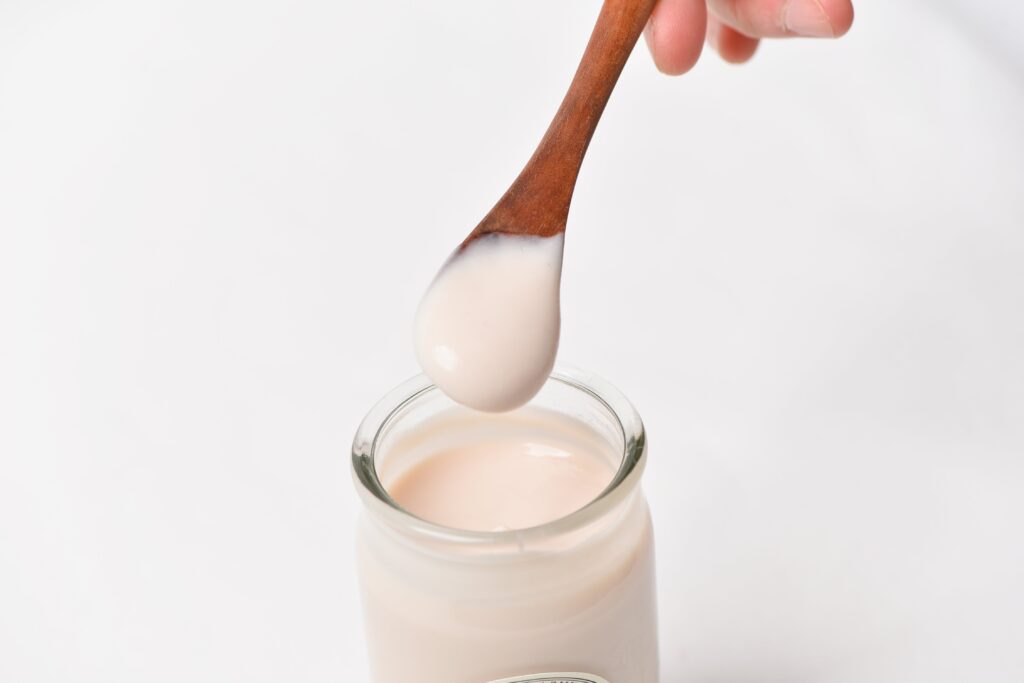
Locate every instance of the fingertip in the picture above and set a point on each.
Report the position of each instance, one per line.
(738, 48)
(675, 34)
(733, 46)
(840, 15)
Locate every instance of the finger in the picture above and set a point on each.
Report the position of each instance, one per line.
(675, 34)
(734, 47)
(778, 18)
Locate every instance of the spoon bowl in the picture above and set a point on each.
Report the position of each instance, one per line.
(487, 329)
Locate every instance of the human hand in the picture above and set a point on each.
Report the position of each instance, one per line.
(677, 29)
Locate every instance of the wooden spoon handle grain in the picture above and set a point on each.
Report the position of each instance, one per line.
(538, 201)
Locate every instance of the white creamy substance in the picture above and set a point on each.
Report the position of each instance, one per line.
(487, 328)
(493, 473)
(575, 598)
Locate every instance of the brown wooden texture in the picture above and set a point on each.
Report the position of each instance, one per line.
(538, 201)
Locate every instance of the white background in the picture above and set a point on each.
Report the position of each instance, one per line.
(216, 219)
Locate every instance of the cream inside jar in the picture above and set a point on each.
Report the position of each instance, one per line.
(484, 472)
(536, 559)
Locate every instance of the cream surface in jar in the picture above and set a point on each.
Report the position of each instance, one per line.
(506, 546)
(500, 472)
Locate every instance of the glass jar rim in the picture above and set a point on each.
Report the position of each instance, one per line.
(388, 408)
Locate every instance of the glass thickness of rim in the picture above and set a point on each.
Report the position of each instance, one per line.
(391, 408)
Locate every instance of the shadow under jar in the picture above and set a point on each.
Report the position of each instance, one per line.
(572, 599)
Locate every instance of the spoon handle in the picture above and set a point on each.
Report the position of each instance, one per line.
(538, 201)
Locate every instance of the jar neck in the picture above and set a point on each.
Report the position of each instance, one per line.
(574, 392)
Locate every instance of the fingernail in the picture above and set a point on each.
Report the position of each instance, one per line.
(807, 18)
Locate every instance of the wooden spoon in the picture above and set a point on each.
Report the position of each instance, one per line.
(487, 329)
(538, 201)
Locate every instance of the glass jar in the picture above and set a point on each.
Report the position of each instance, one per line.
(577, 594)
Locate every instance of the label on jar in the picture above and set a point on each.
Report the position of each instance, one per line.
(554, 678)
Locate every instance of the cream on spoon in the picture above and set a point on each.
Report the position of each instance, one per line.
(487, 329)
